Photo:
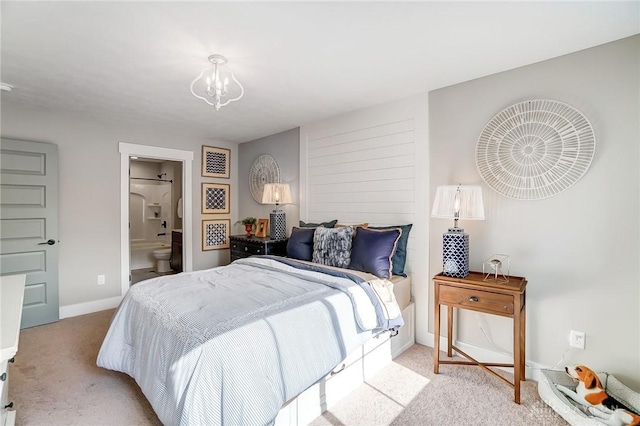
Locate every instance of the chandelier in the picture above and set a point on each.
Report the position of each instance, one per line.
(213, 84)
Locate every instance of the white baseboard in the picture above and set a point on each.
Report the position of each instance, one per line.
(532, 369)
(89, 307)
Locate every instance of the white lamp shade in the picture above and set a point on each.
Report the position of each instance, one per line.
(276, 193)
(466, 199)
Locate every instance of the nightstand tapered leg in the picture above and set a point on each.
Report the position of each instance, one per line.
(449, 331)
(436, 328)
(517, 349)
(523, 341)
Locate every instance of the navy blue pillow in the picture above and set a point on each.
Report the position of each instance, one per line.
(372, 250)
(400, 256)
(300, 244)
(329, 224)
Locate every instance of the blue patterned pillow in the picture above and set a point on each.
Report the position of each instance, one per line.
(373, 249)
(400, 256)
(329, 224)
(332, 246)
(300, 244)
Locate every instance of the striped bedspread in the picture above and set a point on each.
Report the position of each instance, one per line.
(230, 345)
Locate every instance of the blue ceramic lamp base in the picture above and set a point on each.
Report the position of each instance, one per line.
(277, 225)
(455, 253)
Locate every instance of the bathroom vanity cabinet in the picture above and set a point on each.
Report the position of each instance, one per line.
(176, 251)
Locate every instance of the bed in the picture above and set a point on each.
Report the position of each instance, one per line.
(234, 344)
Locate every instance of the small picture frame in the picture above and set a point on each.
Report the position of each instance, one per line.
(215, 234)
(261, 227)
(215, 162)
(215, 198)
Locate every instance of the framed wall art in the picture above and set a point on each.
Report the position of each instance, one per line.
(263, 170)
(535, 149)
(215, 234)
(215, 198)
(215, 162)
(261, 227)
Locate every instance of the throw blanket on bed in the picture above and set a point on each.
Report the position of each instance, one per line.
(230, 345)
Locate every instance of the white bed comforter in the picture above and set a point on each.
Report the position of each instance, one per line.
(230, 345)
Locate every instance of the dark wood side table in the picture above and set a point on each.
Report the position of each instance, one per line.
(243, 246)
(491, 297)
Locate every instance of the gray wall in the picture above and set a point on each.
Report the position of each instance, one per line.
(579, 249)
(89, 188)
(285, 149)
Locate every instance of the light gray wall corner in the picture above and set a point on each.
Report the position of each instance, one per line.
(582, 267)
(284, 147)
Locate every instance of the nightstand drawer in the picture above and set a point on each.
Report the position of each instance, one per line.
(246, 249)
(484, 301)
(242, 246)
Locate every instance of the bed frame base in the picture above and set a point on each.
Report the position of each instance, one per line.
(359, 366)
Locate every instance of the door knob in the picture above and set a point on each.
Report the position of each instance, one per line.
(50, 242)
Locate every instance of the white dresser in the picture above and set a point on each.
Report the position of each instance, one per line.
(11, 297)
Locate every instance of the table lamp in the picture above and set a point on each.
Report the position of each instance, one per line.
(277, 193)
(457, 202)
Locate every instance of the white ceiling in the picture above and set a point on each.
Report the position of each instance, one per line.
(298, 61)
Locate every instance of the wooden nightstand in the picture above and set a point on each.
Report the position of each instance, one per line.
(243, 246)
(491, 297)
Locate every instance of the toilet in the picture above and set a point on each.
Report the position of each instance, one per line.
(162, 257)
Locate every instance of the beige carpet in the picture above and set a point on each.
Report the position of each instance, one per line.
(55, 381)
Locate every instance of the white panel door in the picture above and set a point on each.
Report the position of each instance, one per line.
(29, 224)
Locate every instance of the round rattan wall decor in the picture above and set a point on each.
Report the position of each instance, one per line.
(263, 170)
(535, 149)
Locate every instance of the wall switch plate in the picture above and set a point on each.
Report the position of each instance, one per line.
(102, 279)
(577, 339)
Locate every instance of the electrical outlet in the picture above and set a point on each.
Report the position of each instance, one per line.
(577, 339)
(102, 279)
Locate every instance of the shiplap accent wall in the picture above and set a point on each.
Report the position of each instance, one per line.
(371, 166)
(363, 175)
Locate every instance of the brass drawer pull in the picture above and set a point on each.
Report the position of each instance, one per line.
(473, 299)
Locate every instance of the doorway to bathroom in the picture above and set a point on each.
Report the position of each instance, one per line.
(155, 218)
(182, 178)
